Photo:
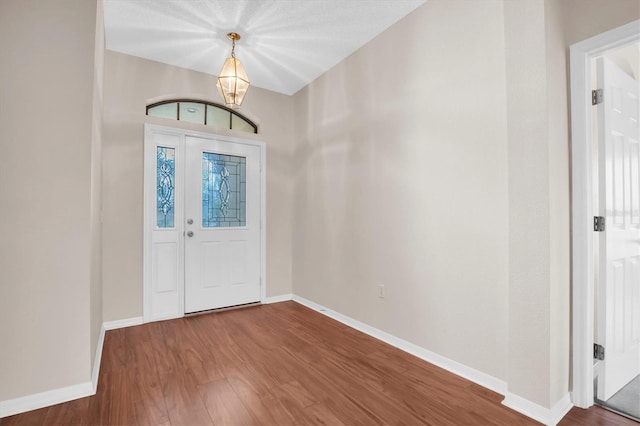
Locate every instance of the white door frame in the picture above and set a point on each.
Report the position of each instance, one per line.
(149, 211)
(581, 55)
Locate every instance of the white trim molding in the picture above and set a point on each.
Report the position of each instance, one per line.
(547, 416)
(452, 366)
(581, 55)
(277, 299)
(35, 401)
(14, 406)
(127, 322)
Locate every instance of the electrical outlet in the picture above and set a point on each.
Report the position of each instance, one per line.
(381, 291)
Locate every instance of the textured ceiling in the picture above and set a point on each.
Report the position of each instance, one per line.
(285, 44)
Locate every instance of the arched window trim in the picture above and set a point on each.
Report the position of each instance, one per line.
(206, 105)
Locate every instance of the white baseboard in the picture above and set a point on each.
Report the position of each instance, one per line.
(454, 367)
(45, 399)
(561, 409)
(127, 322)
(277, 299)
(546, 416)
(23, 404)
(57, 396)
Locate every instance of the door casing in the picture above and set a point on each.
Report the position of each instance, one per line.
(582, 193)
(149, 211)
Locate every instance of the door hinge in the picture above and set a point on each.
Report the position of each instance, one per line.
(597, 96)
(598, 223)
(598, 352)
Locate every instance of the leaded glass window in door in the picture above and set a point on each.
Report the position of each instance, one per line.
(223, 190)
(165, 186)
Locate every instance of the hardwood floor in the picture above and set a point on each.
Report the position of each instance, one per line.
(280, 364)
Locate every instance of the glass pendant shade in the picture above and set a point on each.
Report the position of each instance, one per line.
(233, 82)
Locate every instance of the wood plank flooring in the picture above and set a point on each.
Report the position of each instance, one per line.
(280, 364)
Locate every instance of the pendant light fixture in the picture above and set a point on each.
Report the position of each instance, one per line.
(233, 82)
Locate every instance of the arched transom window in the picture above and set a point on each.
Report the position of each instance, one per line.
(207, 113)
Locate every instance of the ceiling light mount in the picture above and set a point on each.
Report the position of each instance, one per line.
(233, 82)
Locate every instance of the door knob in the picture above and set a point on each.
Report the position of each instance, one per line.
(189, 221)
(190, 234)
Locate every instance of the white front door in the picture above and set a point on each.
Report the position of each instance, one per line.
(222, 224)
(203, 209)
(618, 295)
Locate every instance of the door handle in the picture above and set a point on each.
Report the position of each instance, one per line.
(190, 234)
(189, 221)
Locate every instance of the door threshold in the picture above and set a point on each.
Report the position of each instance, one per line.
(226, 308)
(620, 409)
(613, 409)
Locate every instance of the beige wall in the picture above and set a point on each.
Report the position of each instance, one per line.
(96, 182)
(401, 181)
(46, 98)
(559, 202)
(421, 163)
(586, 18)
(405, 154)
(539, 209)
(130, 84)
(529, 223)
(538, 35)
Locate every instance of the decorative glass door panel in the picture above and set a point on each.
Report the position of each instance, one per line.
(165, 186)
(163, 240)
(202, 219)
(224, 183)
(222, 224)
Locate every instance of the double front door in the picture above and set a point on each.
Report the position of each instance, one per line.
(202, 219)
